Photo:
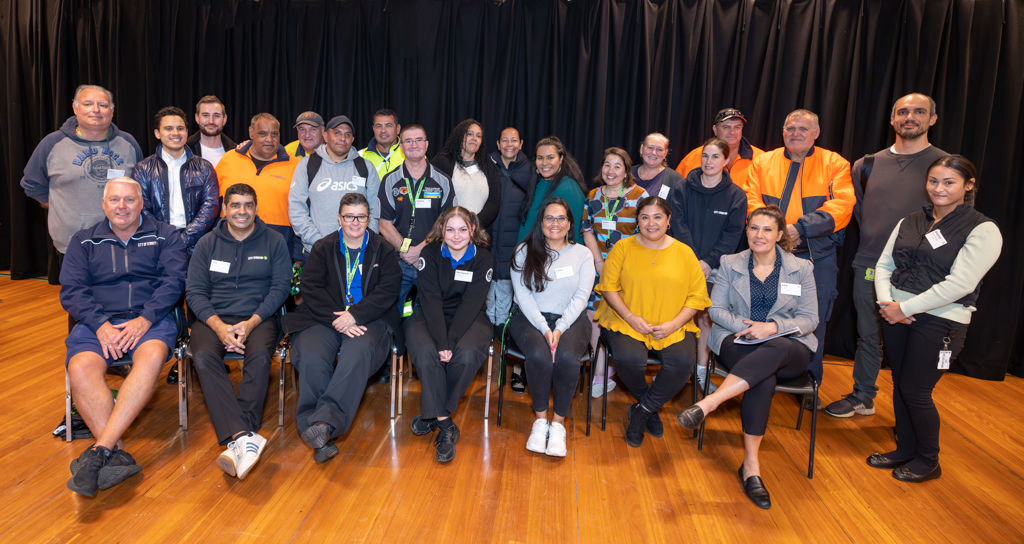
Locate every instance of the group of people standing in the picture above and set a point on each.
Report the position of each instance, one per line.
(733, 253)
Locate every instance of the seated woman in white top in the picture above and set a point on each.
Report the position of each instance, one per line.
(552, 278)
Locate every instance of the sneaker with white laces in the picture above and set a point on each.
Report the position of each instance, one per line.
(249, 449)
(702, 376)
(538, 436)
(228, 459)
(556, 440)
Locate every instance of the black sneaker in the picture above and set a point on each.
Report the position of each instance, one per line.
(808, 401)
(172, 375)
(318, 435)
(849, 405)
(445, 441)
(384, 374)
(421, 427)
(86, 479)
(637, 424)
(654, 426)
(326, 453)
(119, 468)
(517, 384)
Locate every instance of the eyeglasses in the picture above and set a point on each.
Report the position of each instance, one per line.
(560, 220)
(358, 218)
(417, 141)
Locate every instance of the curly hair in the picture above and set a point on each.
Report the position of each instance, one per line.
(775, 213)
(478, 236)
(453, 145)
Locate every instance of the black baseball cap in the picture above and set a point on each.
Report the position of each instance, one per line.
(338, 120)
(729, 113)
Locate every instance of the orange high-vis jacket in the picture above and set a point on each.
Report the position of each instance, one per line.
(821, 190)
(737, 171)
(271, 182)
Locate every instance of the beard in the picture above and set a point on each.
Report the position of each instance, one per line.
(216, 131)
(912, 133)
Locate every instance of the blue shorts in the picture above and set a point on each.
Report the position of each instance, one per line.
(82, 338)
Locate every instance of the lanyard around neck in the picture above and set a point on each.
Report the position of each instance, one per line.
(611, 206)
(352, 267)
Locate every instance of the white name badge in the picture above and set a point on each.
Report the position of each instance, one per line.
(360, 182)
(472, 169)
(663, 193)
(564, 272)
(790, 289)
(422, 203)
(944, 356)
(111, 173)
(220, 266)
(463, 275)
(608, 225)
(935, 239)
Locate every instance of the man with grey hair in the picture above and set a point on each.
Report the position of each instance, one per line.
(70, 167)
(120, 281)
(896, 190)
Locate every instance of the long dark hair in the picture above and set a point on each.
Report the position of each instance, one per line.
(964, 168)
(538, 254)
(569, 167)
(453, 145)
(776, 214)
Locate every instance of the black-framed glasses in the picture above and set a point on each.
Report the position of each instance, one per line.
(357, 218)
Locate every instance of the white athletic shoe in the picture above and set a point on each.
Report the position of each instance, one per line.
(597, 388)
(248, 449)
(539, 436)
(228, 460)
(556, 441)
(702, 375)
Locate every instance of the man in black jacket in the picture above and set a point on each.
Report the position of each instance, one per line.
(343, 330)
(238, 278)
(210, 142)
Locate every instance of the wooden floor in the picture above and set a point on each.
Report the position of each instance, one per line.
(385, 486)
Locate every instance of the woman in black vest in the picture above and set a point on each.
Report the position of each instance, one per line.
(927, 282)
(448, 334)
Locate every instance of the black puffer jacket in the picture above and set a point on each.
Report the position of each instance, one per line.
(505, 231)
(199, 193)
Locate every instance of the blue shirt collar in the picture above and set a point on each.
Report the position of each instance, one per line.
(466, 257)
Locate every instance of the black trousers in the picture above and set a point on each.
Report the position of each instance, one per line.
(231, 413)
(677, 363)
(913, 355)
(760, 365)
(330, 392)
(444, 383)
(547, 378)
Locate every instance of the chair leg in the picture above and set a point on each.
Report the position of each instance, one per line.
(487, 399)
(695, 385)
(394, 378)
(502, 371)
(814, 430)
(183, 374)
(67, 405)
(280, 391)
(401, 390)
(800, 416)
(707, 387)
(588, 376)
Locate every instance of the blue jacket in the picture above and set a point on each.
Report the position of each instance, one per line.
(199, 193)
(505, 230)
(103, 277)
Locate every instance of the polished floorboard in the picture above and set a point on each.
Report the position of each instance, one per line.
(385, 486)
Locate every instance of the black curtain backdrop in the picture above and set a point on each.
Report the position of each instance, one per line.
(597, 73)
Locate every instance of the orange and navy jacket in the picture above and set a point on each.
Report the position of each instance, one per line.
(737, 170)
(821, 190)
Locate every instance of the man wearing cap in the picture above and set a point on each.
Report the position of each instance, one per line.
(383, 150)
(322, 178)
(310, 126)
(729, 127)
(210, 142)
(813, 189)
(263, 164)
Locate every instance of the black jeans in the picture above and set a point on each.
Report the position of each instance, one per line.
(913, 355)
(231, 413)
(760, 365)
(330, 392)
(444, 383)
(677, 362)
(559, 377)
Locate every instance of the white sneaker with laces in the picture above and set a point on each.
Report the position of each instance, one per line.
(228, 460)
(538, 436)
(702, 376)
(249, 449)
(556, 441)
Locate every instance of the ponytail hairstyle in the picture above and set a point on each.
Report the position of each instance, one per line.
(775, 213)
(568, 168)
(965, 169)
(478, 237)
(538, 255)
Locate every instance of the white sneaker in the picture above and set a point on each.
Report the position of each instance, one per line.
(539, 436)
(228, 460)
(702, 376)
(597, 389)
(556, 441)
(248, 449)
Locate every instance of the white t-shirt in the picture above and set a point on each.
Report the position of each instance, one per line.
(212, 154)
(176, 213)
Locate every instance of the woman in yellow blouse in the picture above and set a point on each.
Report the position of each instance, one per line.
(653, 286)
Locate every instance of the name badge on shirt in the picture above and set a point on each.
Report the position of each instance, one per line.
(790, 289)
(472, 169)
(422, 203)
(463, 275)
(608, 225)
(663, 193)
(220, 266)
(358, 181)
(111, 173)
(564, 272)
(935, 239)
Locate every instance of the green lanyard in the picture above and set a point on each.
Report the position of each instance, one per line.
(351, 267)
(610, 210)
(419, 191)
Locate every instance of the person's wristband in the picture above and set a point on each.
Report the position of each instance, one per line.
(627, 317)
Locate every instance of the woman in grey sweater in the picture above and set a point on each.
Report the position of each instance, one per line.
(552, 278)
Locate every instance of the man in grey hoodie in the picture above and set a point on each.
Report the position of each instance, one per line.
(321, 179)
(70, 167)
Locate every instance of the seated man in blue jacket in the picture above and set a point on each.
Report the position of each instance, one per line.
(238, 277)
(120, 280)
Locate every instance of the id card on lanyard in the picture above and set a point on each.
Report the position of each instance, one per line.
(352, 267)
(415, 196)
(610, 207)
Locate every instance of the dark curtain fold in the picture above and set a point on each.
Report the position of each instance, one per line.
(596, 73)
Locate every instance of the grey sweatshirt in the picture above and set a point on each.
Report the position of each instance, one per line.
(572, 280)
(318, 217)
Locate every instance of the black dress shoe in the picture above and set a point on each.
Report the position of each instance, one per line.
(691, 417)
(905, 475)
(384, 374)
(172, 376)
(879, 460)
(317, 435)
(754, 487)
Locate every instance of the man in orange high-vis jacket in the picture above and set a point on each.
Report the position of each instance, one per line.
(729, 127)
(813, 188)
(263, 164)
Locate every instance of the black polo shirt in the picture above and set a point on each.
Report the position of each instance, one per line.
(396, 203)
